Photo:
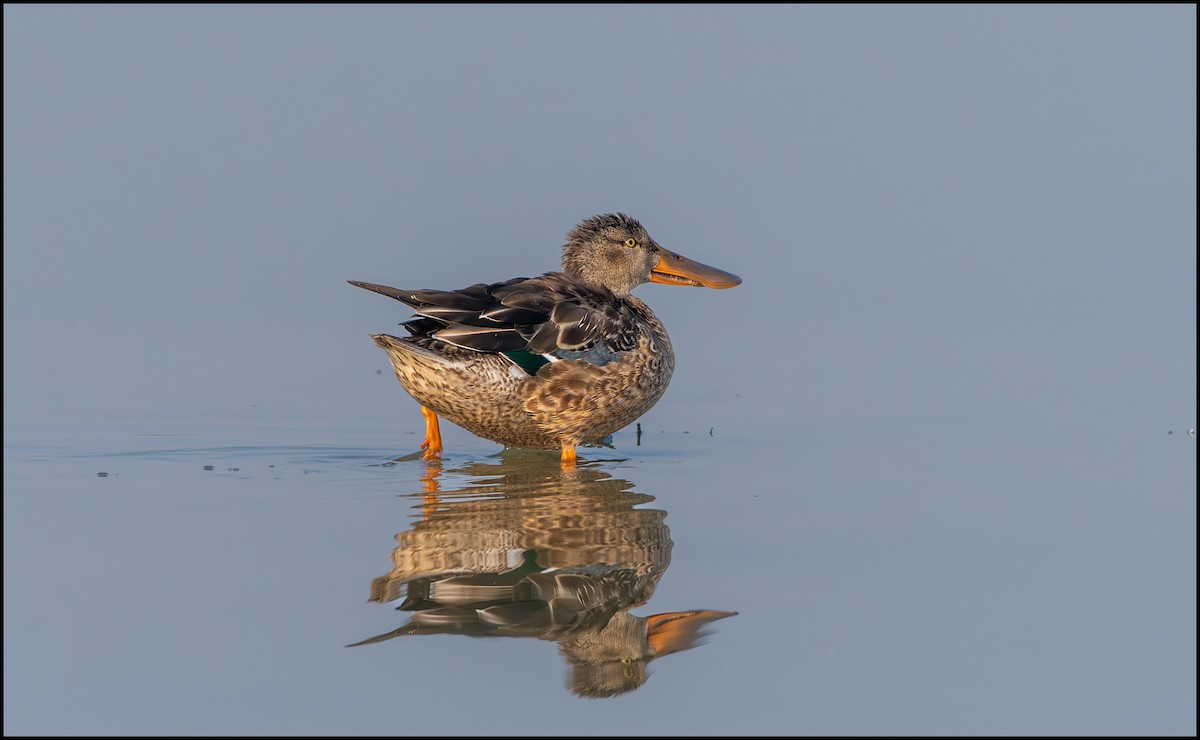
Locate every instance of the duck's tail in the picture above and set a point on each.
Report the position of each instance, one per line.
(390, 344)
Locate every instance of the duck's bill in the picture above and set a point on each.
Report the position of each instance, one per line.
(675, 631)
(675, 269)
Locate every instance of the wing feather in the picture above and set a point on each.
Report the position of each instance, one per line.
(552, 315)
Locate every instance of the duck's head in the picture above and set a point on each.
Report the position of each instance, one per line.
(615, 252)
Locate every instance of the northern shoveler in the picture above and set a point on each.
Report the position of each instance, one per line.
(547, 362)
(586, 610)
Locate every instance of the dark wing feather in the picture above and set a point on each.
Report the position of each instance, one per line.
(481, 338)
(390, 292)
(529, 294)
(549, 315)
(512, 315)
(422, 326)
(544, 339)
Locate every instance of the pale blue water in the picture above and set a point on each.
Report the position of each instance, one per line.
(923, 581)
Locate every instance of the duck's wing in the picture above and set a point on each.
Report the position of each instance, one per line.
(552, 316)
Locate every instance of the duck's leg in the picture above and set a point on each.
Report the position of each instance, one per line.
(568, 456)
(433, 436)
(429, 504)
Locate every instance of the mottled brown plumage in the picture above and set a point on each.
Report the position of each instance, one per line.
(547, 362)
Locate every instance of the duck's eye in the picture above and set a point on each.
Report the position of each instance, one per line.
(631, 242)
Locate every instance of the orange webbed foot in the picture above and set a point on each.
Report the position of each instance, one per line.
(568, 456)
(433, 436)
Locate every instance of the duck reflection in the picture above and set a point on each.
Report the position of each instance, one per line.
(530, 549)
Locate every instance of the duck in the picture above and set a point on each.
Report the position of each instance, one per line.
(550, 362)
(586, 610)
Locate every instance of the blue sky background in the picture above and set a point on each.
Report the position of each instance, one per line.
(960, 203)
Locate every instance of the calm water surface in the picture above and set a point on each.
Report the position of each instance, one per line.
(209, 578)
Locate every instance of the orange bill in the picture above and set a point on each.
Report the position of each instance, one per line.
(675, 631)
(675, 269)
